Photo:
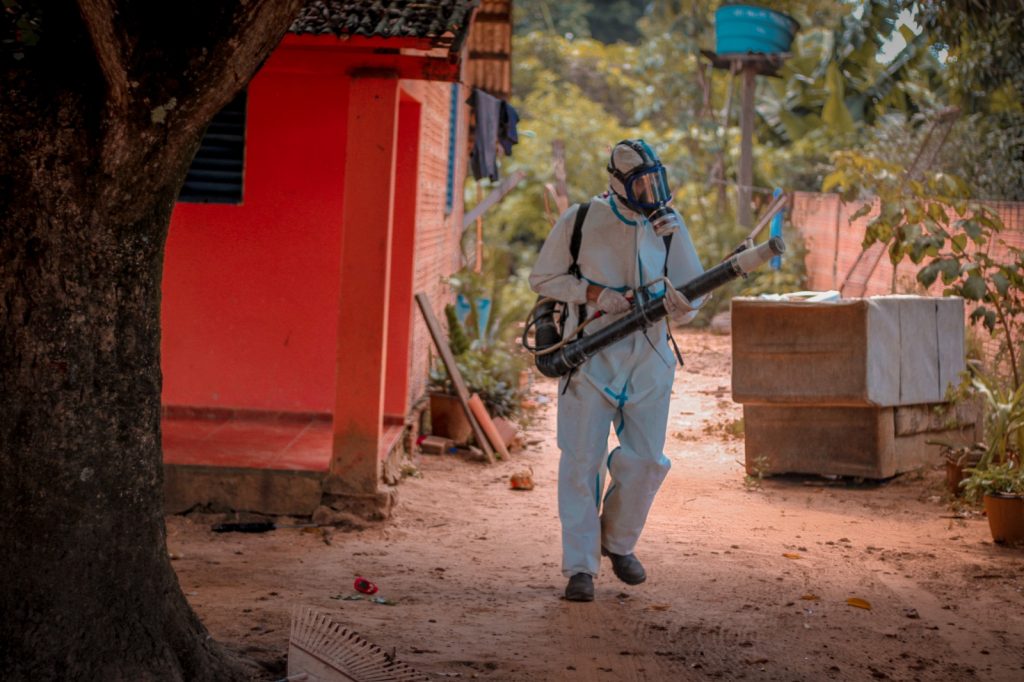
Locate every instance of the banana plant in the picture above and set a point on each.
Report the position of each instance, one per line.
(836, 81)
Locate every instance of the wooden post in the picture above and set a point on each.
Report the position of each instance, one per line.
(479, 233)
(558, 166)
(746, 179)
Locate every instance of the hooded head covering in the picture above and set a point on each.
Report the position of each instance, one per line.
(637, 176)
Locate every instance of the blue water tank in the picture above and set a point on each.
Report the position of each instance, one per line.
(746, 28)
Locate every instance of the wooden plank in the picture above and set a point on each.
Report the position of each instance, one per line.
(558, 167)
(436, 445)
(496, 195)
(479, 267)
(743, 212)
(441, 343)
(477, 405)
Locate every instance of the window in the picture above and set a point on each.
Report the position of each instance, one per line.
(215, 175)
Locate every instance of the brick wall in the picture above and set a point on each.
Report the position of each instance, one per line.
(833, 244)
(437, 235)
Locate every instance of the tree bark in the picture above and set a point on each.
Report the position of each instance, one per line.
(102, 104)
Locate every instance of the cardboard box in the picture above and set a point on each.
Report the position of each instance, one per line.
(884, 351)
(869, 442)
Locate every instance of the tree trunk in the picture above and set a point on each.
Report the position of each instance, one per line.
(95, 138)
(88, 590)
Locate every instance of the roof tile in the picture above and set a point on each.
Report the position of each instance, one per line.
(443, 20)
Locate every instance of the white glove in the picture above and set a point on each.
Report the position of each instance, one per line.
(678, 306)
(612, 302)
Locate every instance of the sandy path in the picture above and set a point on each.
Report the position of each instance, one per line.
(473, 569)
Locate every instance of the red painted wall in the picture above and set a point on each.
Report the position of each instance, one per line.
(403, 243)
(250, 302)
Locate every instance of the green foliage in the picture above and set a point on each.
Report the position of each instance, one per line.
(986, 57)
(506, 288)
(458, 342)
(996, 287)
(1005, 479)
(756, 472)
(559, 18)
(844, 87)
(591, 95)
(490, 362)
(984, 76)
(999, 470)
(1004, 421)
(491, 372)
(989, 149)
(616, 20)
(835, 80)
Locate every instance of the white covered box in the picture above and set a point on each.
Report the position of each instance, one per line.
(884, 351)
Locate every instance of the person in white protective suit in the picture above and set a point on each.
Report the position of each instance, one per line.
(621, 255)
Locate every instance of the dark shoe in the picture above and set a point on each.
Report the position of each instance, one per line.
(626, 567)
(580, 588)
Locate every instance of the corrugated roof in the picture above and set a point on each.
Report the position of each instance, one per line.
(445, 21)
(490, 48)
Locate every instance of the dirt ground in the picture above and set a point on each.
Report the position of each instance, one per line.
(745, 581)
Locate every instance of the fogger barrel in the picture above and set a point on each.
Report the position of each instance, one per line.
(574, 354)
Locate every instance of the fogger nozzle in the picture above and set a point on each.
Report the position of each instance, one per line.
(749, 260)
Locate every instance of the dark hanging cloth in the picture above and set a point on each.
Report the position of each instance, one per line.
(483, 161)
(507, 133)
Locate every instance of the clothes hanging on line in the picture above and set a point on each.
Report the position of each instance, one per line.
(508, 134)
(496, 124)
(483, 160)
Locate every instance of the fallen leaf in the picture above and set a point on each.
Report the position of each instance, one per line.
(859, 603)
(810, 597)
(658, 607)
(790, 555)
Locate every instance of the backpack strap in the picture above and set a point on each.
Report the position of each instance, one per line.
(668, 327)
(577, 239)
(574, 269)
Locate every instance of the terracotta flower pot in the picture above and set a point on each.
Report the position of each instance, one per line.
(955, 471)
(1005, 517)
(448, 419)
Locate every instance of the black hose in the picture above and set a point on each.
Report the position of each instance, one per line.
(574, 354)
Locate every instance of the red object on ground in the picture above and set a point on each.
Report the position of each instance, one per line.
(365, 586)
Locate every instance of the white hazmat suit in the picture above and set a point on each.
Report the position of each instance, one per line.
(627, 384)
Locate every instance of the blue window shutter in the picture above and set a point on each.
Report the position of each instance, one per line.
(453, 129)
(215, 175)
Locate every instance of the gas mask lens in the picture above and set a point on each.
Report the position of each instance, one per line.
(649, 188)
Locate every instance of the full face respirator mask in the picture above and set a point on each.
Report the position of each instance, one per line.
(645, 187)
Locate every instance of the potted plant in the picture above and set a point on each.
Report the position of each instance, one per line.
(447, 418)
(482, 333)
(998, 480)
(1001, 488)
(960, 460)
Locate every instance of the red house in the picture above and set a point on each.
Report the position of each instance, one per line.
(319, 203)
